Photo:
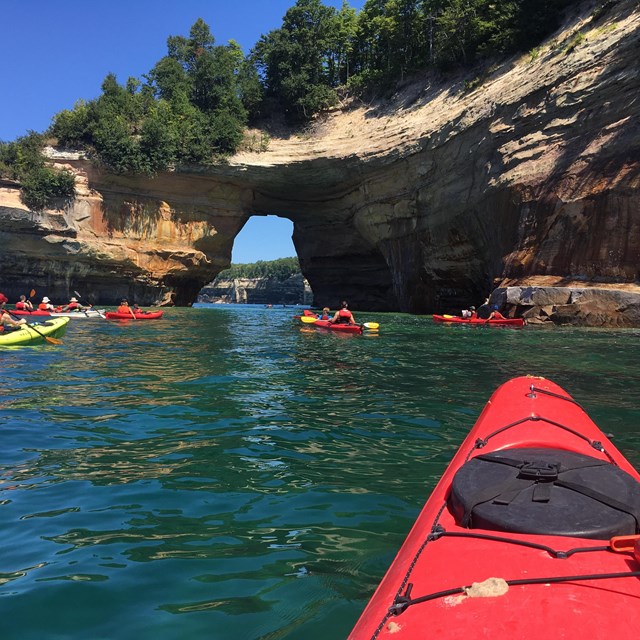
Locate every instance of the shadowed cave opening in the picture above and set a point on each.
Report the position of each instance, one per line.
(337, 263)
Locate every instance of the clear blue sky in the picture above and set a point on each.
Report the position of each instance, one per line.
(55, 53)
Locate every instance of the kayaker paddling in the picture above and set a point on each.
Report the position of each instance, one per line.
(495, 314)
(5, 318)
(343, 315)
(125, 309)
(46, 305)
(23, 304)
(74, 305)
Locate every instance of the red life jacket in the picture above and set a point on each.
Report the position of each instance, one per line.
(344, 315)
(21, 306)
(43, 306)
(72, 305)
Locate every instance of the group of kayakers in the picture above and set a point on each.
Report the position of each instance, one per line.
(25, 304)
(342, 316)
(484, 313)
(124, 307)
(8, 320)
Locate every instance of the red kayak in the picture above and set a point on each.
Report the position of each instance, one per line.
(505, 322)
(35, 312)
(531, 532)
(336, 326)
(144, 315)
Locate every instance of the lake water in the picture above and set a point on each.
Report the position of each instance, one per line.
(226, 473)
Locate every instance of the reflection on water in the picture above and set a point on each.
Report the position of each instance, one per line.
(226, 465)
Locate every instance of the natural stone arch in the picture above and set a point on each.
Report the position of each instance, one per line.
(421, 206)
(208, 211)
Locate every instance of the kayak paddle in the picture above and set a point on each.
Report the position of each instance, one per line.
(308, 319)
(77, 295)
(49, 339)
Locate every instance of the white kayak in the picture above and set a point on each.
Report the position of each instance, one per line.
(89, 313)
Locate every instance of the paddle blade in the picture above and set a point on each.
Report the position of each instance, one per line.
(51, 340)
(32, 293)
(308, 319)
(371, 325)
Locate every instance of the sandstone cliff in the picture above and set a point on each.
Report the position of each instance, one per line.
(293, 290)
(530, 170)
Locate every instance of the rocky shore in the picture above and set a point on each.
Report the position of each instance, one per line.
(585, 306)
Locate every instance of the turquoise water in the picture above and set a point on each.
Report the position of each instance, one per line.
(227, 473)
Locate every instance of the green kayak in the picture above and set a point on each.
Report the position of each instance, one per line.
(34, 333)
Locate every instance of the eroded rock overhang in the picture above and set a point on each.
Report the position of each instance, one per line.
(426, 204)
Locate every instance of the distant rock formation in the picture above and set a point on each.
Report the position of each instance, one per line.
(293, 290)
(422, 205)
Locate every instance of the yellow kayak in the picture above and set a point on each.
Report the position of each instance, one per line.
(34, 333)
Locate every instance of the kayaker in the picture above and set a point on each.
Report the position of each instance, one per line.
(5, 318)
(343, 315)
(469, 313)
(23, 304)
(325, 313)
(73, 305)
(124, 307)
(46, 305)
(495, 314)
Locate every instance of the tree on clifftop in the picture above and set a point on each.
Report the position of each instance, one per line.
(294, 61)
(188, 110)
(194, 104)
(42, 186)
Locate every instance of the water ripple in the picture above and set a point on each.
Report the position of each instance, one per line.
(226, 465)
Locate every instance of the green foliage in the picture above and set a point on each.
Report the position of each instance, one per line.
(191, 108)
(280, 269)
(41, 185)
(296, 61)
(194, 104)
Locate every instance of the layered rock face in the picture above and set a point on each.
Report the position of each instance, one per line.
(293, 290)
(424, 205)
